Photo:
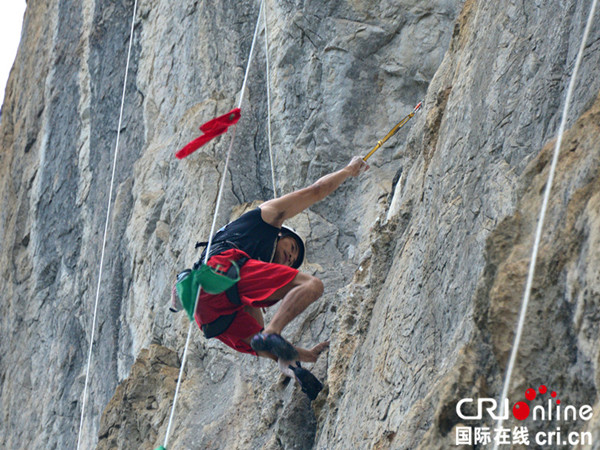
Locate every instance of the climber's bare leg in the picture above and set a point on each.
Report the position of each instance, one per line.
(295, 297)
(257, 314)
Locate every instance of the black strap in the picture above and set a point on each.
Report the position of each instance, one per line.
(218, 246)
(232, 293)
(218, 326)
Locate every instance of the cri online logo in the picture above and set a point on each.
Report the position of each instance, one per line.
(521, 410)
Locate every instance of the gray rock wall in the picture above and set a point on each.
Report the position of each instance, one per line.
(424, 257)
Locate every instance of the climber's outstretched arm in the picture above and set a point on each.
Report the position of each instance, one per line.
(276, 211)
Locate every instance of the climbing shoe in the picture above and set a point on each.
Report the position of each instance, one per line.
(275, 344)
(310, 385)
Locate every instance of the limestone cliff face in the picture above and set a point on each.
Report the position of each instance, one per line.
(424, 257)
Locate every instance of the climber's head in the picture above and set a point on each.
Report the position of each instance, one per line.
(290, 248)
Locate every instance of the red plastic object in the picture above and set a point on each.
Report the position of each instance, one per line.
(211, 130)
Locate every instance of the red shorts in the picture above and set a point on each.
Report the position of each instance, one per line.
(259, 280)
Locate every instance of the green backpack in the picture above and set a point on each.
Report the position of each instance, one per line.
(212, 281)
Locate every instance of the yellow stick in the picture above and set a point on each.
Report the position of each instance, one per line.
(393, 131)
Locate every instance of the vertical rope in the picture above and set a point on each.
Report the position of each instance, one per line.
(212, 230)
(251, 53)
(269, 100)
(538, 234)
(214, 222)
(185, 351)
(110, 195)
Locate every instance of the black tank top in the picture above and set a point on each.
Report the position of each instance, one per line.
(250, 233)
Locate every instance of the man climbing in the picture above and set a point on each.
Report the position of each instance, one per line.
(268, 255)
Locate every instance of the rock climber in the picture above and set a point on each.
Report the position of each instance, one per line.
(270, 255)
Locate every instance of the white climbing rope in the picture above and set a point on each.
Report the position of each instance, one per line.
(268, 80)
(214, 222)
(251, 54)
(217, 206)
(540, 224)
(183, 360)
(110, 195)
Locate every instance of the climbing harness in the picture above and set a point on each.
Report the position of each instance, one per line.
(191, 282)
(108, 212)
(393, 131)
(540, 224)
